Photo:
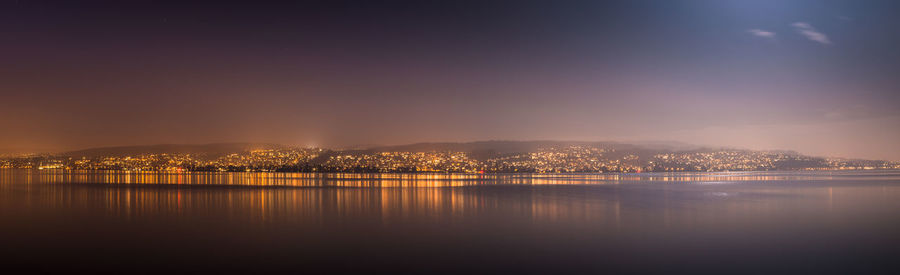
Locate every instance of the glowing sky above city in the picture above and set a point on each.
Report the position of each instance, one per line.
(819, 77)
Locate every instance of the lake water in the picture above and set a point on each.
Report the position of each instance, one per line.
(749, 222)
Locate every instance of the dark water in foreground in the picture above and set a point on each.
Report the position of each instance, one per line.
(765, 222)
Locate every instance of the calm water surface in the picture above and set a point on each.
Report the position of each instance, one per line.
(755, 223)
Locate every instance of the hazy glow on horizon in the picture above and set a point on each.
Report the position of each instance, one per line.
(816, 77)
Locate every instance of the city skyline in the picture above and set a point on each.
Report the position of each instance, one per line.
(669, 144)
(477, 157)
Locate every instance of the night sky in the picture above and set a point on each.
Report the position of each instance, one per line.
(819, 77)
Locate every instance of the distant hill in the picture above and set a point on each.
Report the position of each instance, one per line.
(477, 149)
(665, 145)
(481, 148)
(498, 146)
(212, 150)
(23, 151)
(488, 149)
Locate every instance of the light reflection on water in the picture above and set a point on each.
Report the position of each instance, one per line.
(396, 198)
(757, 221)
(60, 176)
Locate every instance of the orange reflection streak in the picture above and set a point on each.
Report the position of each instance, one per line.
(399, 198)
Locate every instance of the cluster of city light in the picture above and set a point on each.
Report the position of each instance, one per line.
(721, 161)
(264, 160)
(566, 159)
(861, 164)
(406, 162)
(563, 159)
(257, 160)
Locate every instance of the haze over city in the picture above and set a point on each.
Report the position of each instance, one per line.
(815, 77)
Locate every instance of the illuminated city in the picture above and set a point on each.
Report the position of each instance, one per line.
(561, 159)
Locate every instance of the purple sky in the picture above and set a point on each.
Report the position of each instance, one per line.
(816, 77)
